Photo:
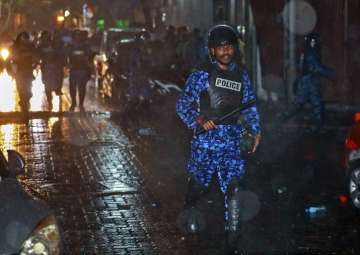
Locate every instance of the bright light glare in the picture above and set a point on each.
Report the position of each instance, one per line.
(67, 13)
(5, 53)
(60, 19)
(38, 100)
(38, 90)
(8, 94)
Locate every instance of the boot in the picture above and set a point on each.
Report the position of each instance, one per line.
(194, 221)
(233, 224)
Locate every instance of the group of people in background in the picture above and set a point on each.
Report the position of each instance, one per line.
(52, 53)
(58, 51)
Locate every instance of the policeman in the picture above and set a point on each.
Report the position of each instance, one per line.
(22, 60)
(139, 91)
(214, 89)
(80, 63)
(52, 59)
(308, 89)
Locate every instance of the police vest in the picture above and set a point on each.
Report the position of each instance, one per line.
(224, 94)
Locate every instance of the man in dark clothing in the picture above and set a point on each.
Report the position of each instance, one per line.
(23, 58)
(80, 62)
(52, 59)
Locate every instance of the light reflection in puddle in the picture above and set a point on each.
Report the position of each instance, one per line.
(7, 136)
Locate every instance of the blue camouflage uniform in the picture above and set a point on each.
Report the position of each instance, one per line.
(308, 89)
(216, 151)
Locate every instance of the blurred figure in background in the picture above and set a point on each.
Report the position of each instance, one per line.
(52, 64)
(193, 53)
(23, 58)
(182, 38)
(140, 67)
(80, 62)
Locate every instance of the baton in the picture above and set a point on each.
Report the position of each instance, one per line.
(228, 115)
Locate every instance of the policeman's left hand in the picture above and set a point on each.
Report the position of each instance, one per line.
(256, 143)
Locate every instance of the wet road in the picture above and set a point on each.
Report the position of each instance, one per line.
(116, 190)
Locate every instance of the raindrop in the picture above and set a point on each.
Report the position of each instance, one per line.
(273, 83)
(250, 204)
(282, 190)
(191, 221)
(304, 18)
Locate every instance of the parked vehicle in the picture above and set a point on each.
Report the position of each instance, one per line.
(352, 162)
(27, 224)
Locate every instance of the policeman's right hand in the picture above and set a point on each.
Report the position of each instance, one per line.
(206, 124)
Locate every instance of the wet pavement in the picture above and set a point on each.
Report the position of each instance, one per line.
(118, 188)
(87, 173)
(84, 167)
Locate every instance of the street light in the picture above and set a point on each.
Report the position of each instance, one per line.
(60, 18)
(67, 13)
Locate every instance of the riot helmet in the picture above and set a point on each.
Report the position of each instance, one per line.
(221, 35)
